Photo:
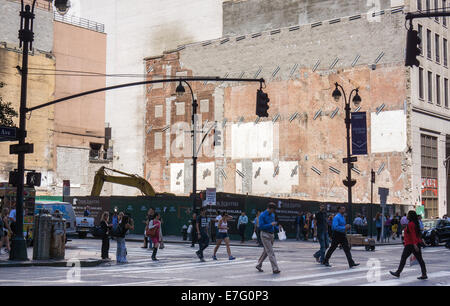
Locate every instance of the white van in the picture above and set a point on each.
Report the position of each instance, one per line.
(65, 208)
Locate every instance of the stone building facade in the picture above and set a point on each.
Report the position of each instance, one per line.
(297, 152)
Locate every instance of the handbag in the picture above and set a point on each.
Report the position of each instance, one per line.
(150, 232)
(281, 234)
(254, 236)
(189, 230)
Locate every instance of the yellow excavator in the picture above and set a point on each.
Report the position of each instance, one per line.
(131, 180)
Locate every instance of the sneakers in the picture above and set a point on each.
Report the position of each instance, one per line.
(214, 257)
(326, 264)
(232, 258)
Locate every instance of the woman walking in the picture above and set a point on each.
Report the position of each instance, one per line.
(412, 241)
(105, 235)
(223, 235)
(155, 235)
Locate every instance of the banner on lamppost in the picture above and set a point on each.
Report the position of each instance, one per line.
(359, 133)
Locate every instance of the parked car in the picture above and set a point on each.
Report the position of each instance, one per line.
(436, 231)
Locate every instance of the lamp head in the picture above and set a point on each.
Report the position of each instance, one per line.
(336, 93)
(62, 6)
(357, 98)
(180, 90)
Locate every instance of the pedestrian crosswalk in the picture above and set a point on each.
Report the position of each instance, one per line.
(178, 265)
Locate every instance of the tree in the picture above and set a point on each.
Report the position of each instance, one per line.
(7, 113)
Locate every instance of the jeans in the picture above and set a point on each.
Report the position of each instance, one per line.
(121, 253)
(203, 243)
(322, 236)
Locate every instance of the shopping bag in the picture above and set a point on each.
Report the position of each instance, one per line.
(189, 230)
(254, 237)
(413, 260)
(282, 234)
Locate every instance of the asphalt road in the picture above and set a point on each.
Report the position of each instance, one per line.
(178, 265)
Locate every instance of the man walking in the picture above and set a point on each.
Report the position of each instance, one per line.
(358, 223)
(202, 226)
(267, 226)
(322, 234)
(339, 238)
(242, 224)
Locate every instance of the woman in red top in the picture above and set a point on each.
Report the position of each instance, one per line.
(412, 245)
(154, 228)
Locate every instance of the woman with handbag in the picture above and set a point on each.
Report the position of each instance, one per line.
(412, 241)
(153, 232)
(104, 226)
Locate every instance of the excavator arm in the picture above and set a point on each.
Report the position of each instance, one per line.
(128, 180)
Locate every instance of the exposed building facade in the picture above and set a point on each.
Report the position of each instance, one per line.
(302, 48)
(136, 29)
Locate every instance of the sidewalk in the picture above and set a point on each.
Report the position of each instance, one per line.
(84, 258)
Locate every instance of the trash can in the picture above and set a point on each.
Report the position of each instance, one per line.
(58, 237)
(42, 235)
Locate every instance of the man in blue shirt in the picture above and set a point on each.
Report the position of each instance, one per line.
(267, 226)
(339, 228)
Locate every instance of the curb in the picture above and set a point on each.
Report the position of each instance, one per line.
(56, 263)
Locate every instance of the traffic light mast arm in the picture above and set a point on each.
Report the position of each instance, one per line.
(437, 13)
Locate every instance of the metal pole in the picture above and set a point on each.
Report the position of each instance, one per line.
(371, 202)
(194, 147)
(349, 164)
(19, 249)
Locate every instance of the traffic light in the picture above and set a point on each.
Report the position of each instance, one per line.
(217, 137)
(33, 179)
(262, 104)
(412, 48)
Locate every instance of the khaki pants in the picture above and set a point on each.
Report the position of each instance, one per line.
(267, 241)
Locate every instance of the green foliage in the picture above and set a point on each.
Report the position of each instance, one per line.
(7, 113)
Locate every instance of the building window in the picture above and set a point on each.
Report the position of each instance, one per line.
(430, 87)
(436, 6)
(444, 47)
(436, 46)
(429, 44)
(421, 83)
(438, 89)
(429, 175)
(427, 5)
(419, 5)
(446, 93)
(95, 151)
(419, 33)
(444, 19)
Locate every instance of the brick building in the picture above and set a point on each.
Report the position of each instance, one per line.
(297, 152)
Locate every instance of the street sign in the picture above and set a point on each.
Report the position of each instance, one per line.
(383, 192)
(26, 148)
(353, 159)
(210, 197)
(8, 133)
(359, 133)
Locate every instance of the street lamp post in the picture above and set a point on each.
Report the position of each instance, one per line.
(356, 100)
(180, 91)
(26, 37)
